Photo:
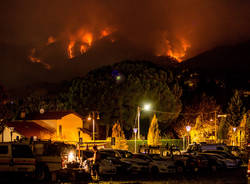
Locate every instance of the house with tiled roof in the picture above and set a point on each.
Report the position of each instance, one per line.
(59, 126)
(16, 130)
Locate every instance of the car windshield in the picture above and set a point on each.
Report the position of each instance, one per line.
(125, 154)
(21, 151)
(156, 157)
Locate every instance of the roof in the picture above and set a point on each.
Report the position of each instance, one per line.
(50, 115)
(28, 129)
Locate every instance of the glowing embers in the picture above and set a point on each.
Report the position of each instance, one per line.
(34, 59)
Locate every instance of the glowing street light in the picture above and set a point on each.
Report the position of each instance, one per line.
(146, 107)
(188, 128)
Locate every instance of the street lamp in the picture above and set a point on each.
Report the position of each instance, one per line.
(135, 131)
(146, 107)
(234, 129)
(188, 128)
(93, 115)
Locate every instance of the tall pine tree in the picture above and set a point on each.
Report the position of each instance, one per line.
(154, 132)
(235, 110)
(120, 140)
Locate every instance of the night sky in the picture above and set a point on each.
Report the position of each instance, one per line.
(44, 40)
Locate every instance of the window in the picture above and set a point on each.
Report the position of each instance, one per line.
(21, 151)
(4, 149)
(60, 130)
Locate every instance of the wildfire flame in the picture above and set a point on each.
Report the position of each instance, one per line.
(83, 39)
(51, 40)
(87, 38)
(106, 32)
(35, 59)
(70, 49)
(177, 52)
(180, 53)
(83, 49)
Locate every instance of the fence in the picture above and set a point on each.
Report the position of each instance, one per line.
(176, 142)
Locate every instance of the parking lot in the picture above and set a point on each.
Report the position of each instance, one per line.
(232, 176)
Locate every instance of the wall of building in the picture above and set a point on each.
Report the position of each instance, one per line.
(68, 128)
(5, 136)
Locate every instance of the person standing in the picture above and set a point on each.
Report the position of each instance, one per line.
(95, 161)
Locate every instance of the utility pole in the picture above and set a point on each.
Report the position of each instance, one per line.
(93, 116)
(215, 122)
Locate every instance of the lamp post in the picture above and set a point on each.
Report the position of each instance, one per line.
(135, 131)
(234, 129)
(11, 133)
(146, 107)
(93, 115)
(188, 128)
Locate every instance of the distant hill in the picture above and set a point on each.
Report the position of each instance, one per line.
(230, 63)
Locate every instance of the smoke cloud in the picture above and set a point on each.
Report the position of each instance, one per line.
(116, 29)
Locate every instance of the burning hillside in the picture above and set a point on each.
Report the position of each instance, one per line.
(91, 33)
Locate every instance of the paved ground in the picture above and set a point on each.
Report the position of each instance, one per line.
(226, 177)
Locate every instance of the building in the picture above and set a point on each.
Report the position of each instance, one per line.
(16, 130)
(64, 126)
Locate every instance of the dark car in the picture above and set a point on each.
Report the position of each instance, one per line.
(85, 154)
(227, 155)
(121, 167)
(185, 162)
(210, 161)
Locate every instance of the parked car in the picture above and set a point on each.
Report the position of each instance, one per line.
(106, 166)
(207, 161)
(227, 155)
(15, 157)
(220, 161)
(157, 164)
(122, 168)
(185, 162)
(205, 147)
(137, 165)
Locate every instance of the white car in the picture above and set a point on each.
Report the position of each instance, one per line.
(17, 158)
